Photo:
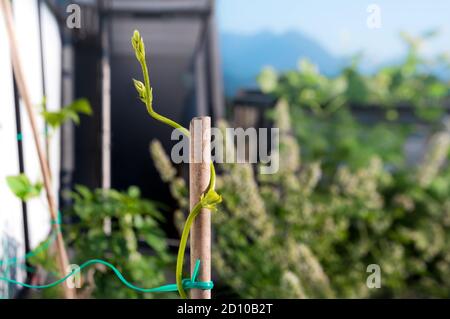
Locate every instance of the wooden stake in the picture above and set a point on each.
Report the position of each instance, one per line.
(63, 260)
(199, 174)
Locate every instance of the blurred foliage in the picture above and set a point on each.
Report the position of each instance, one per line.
(302, 233)
(132, 219)
(70, 112)
(22, 187)
(322, 117)
(344, 196)
(412, 83)
(117, 227)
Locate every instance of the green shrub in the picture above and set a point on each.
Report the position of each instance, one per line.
(344, 197)
(303, 233)
(117, 227)
(411, 83)
(132, 220)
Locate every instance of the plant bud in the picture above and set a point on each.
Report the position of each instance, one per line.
(140, 88)
(138, 45)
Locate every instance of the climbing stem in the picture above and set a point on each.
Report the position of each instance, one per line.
(181, 249)
(146, 94)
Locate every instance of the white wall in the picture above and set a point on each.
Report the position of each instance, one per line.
(52, 47)
(11, 224)
(27, 28)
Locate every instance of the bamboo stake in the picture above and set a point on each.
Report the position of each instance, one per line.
(63, 260)
(199, 175)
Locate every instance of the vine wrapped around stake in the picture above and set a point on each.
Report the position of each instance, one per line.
(210, 198)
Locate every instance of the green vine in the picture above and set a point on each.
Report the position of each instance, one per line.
(209, 199)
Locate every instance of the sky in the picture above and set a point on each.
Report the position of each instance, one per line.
(341, 26)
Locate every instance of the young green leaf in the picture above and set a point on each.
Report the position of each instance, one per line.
(54, 119)
(21, 186)
(81, 106)
(70, 112)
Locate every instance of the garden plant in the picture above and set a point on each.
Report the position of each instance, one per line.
(346, 196)
(128, 212)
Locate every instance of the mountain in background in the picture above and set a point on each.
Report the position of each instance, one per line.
(244, 56)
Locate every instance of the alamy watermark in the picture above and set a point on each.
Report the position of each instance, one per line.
(73, 21)
(233, 145)
(374, 19)
(73, 281)
(374, 279)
